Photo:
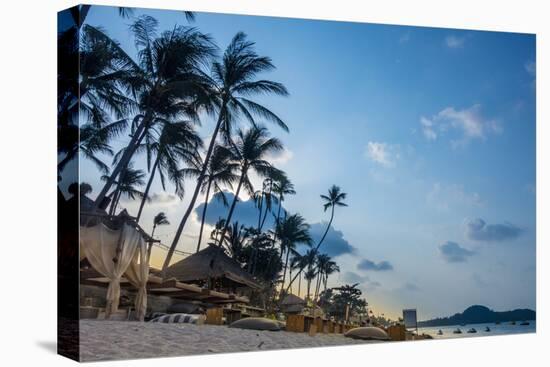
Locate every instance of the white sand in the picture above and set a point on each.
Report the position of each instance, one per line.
(104, 340)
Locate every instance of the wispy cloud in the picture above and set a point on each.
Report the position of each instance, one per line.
(478, 230)
(452, 252)
(468, 123)
(367, 265)
(382, 153)
(454, 41)
(405, 37)
(531, 68)
(281, 157)
(445, 197)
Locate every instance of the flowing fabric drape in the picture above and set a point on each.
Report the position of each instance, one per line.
(138, 274)
(99, 245)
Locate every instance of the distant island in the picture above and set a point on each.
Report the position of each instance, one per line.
(480, 314)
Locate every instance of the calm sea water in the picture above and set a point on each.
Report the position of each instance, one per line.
(502, 329)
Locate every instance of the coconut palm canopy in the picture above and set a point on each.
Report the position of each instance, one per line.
(211, 262)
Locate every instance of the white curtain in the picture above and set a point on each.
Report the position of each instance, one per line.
(99, 244)
(138, 274)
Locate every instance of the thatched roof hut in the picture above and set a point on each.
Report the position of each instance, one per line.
(292, 304)
(209, 264)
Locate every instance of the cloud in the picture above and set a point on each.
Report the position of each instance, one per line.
(334, 244)
(405, 37)
(349, 277)
(382, 153)
(164, 197)
(531, 68)
(453, 253)
(454, 41)
(410, 287)
(444, 197)
(467, 123)
(245, 211)
(280, 158)
(478, 230)
(352, 278)
(367, 265)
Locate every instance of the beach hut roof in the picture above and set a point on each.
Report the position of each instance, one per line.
(292, 299)
(211, 262)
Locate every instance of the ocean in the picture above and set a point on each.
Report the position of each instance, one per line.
(504, 328)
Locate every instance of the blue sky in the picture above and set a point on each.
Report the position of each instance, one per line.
(431, 132)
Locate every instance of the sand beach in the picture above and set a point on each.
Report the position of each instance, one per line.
(106, 340)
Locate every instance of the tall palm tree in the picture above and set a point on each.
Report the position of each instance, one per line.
(91, 70)
(265, 198)
(235, 81)
(321, 263)
(218, 175)
(128, 183)
(159, 220)
(298, 263)
(94, 139)
(334, 198)
(248, 154)
(235, 240)
(330, 268)
(167, 81)
(292, 231)
(80, 12)
(282, 187)
(177, 142)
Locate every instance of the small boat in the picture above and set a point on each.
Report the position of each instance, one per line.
(472, 330)
(487, 329)
(513, 323)
(457, 331)
(524, 323)
(440, 332)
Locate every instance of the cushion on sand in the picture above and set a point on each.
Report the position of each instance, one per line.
(367, 333)
(256, 323)
(178, 318)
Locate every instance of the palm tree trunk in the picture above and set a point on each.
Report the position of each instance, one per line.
(263, 220)
(150, 247)
(326, 231)
(279, 209)
(197, 190)
(299, 285)
(228, 220)
(284, 270)
(137, 137)
(204, 214)
(147, 188)
(308, 288)
(260, 204)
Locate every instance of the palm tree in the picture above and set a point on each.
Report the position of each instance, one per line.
(330, 268)
(235, 241)
(235, 81)
(335, 198)
(128, 184)
(298, 262)
(321, 263)
(167, 81)
(282, 187)
(92, 68)
(264, 196)
(247, 154)
(159, 220)
(80, 12)
(177, 142)
(94, 139)
(292, 231)
(218, 174)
